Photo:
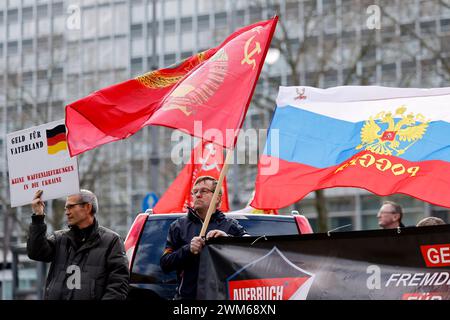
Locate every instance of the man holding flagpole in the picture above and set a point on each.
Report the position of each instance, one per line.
(183, 244)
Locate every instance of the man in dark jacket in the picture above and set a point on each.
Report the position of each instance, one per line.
(183, 242)
(88, 261)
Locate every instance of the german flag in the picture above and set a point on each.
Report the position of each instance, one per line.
(56, 139)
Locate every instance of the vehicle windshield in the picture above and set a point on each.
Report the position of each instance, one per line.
(146, 271)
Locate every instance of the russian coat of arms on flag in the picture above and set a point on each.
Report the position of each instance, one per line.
(384, 140)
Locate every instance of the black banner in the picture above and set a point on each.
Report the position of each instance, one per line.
(398, 264)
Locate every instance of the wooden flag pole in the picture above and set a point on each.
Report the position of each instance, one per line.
(212, 205)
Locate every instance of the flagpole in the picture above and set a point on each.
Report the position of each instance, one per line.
(212, 205)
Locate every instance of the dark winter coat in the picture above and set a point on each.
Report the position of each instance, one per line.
(177, 254)
(93, 270)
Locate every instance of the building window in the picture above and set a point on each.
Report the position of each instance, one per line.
(428, 27)
(186, 24)
(169, 59)
(27, 78)
(121, 21)
(370, 202)
(27, 46)
(42, 11)
(330, 78)
(27, 14)
(136, 31)
(57, 9)
(343, 204)
(407, 29)
(186, 54)
(42, 44)
(12, 47)
(445, 25)
(203, 22)
(13, 16)
(256, 14)
(221, 19)
(136, 66)
(388, 72)
(105, 21)
(57, 75)
(340, 222)
(169, 26)
(370, 222)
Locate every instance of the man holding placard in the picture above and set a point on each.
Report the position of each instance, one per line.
(88, 261)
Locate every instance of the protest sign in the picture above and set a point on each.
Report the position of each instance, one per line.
(38, 159)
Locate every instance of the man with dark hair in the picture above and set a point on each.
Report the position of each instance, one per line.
(184, 244)
(390, 215)
(88, 261)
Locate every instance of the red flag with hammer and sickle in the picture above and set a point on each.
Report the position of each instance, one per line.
(206, 95)
(206, 160)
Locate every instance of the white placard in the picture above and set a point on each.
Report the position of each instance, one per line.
(38, 159)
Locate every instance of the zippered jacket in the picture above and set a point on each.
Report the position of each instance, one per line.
(95, 270)
(177, 254)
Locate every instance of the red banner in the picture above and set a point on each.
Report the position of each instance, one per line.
(206, 160)
(380, 174)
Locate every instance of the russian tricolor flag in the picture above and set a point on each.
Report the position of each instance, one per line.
(385, 140)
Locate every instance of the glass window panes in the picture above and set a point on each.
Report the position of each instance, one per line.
(12, 47)
(89, 56)
(13, 16)
(105, 21)
(121, 50)
(169, 59)
(121, 21)
(341, 204)
(343, 223)
(186, 24)
(89, 22)
(27, 46)
(169, 26)
(42, 11)
(27, 14)
(203, 22)
(136, 66)
(370, 222)
(370, 202)
(136, 30)
(57, 9)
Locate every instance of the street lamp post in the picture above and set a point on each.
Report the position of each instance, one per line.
(154, 156)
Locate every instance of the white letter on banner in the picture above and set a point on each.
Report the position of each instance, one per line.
(374, 280)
